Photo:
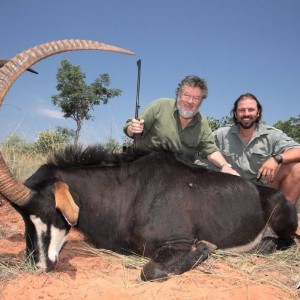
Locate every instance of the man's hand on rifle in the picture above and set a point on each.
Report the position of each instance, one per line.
(135, 126)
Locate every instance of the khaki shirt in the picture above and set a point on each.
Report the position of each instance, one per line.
(162, 130)
(247, 160)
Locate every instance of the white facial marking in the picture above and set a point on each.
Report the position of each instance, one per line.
(58, 238)
(40, 228)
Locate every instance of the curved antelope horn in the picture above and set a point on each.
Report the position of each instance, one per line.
(4, 61)
(10, 187)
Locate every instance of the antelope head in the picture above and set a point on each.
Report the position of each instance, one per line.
(43, 238)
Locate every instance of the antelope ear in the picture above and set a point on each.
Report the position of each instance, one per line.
(65, 202)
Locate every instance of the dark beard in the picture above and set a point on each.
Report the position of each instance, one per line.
(247, 126)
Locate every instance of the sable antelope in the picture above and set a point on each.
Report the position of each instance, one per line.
(155, 205)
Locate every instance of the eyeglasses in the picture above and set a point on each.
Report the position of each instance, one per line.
(187, 96)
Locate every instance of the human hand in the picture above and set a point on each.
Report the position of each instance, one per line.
(135, 126)
(268, 170)
(229, 170)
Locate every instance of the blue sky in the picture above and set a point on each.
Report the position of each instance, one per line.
(238, 46)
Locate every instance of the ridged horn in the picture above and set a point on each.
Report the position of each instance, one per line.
(4, 61)
(10, 187)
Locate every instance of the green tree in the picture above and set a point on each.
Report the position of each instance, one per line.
(68, 133)
(217, 123)
(290, 127)
(76, 98)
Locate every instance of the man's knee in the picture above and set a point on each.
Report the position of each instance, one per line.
(287, 181)
(295, 169)
(288, 171)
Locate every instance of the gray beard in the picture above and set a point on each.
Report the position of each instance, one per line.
(185, 114)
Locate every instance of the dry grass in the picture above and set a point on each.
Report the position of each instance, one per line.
(258, 269)
(12, 267)
(239, 268)
(129, 261)
(236, 268)
(280, 269)
(22, 163)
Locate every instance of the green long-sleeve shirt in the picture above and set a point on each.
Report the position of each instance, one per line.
(162, 130)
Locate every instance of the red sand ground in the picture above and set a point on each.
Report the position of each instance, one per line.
(81, 275)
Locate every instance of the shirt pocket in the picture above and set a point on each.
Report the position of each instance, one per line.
(258, 156)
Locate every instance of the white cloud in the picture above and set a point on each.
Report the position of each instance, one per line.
(51, 113)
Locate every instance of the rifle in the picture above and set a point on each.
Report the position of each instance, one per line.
(137, 136)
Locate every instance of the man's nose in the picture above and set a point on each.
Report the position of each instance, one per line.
(190, 99)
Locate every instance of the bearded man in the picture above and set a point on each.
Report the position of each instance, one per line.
(259, 152)
(177, 125)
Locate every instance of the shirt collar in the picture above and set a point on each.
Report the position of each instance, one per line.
(261, 129)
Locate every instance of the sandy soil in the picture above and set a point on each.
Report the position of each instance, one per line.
(83, 275)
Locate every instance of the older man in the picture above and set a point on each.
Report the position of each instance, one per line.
(177, 124)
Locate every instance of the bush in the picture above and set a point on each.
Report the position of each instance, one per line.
(50, 140)
(20, 157)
